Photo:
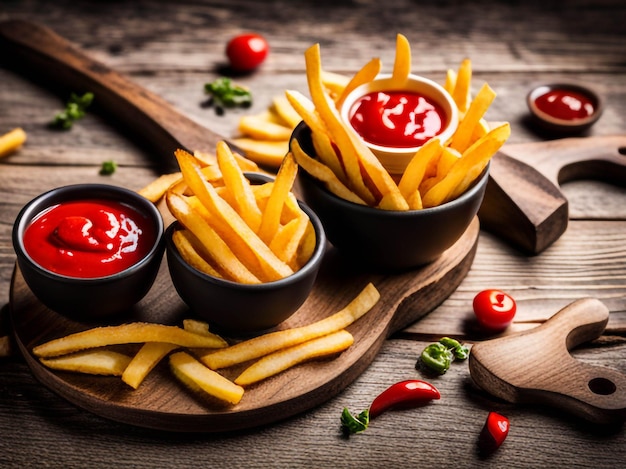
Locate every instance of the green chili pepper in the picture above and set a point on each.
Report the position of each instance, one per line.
(437, 357)
(461, 352)
(440, 355)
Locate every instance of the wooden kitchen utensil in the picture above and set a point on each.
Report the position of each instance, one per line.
(536, 367)
(521, 204)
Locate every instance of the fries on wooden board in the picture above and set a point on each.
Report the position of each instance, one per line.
(88, 352)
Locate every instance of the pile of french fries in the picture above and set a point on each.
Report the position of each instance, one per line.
(195, 353)
(438, 172)
(233, 229)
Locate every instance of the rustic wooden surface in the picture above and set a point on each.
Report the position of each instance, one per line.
(173, 48)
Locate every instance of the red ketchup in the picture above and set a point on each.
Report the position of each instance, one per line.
(88, 239)
(398, 119)
(565, 104)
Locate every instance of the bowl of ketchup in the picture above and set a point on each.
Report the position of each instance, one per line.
(395, 120)
(564, 108)
(89, 251)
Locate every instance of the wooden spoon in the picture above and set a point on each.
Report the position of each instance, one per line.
(535, 366)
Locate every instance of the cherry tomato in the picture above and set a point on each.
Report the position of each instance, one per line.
(494, 309)
(247, 51)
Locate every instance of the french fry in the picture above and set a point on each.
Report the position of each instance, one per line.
(450, 82)
(196, 326)
(319, 133)
(282, 186)
(306, 246)
(480, 153)
(286, 111)
(264, 152)
(259, 127)
(94, 362)
(324, 174)
(239, 187)
(468, 167)
(186, 244)
(327, 154)
(287, 240)
(198, 377)
(282, 360)
(461, 93)
(131, 333)
(402, 63)
(271, 342)
(225, 260)
(12, 141)
(415, 172)
(144, 361)
(448, 158)
(334, 83)
(210, 160)
(155, 190)
(477, 109)
(366, 74)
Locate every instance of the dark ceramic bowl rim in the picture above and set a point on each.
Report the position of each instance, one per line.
(542, 89)
(96, 191)
(315, 259)
(366, 209)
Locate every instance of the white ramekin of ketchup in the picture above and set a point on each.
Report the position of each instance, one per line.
(395, 120)
(89, 250)
(564, 107)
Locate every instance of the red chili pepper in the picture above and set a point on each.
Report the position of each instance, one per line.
(410, 393)
(494, 432)
(405, 394)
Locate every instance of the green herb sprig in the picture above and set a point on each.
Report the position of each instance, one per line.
(74, 110)
(108, 168)
(225, 94)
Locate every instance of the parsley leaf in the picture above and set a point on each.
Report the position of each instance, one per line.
(225, 94)
(108, 168)
(74, 109)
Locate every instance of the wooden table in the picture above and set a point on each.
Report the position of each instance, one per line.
(173, 48)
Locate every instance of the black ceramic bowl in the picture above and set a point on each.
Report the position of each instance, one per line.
(93, 298)
(562, 126)
(382, 239)
(241, 309)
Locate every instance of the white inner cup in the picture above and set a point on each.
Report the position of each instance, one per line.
(396, 159)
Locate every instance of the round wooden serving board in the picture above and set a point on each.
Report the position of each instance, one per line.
(161, 402)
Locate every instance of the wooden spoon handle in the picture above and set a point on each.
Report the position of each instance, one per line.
(48, 56)
(535, 366)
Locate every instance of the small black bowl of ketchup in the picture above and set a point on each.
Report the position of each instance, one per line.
(89, 251)
(564, 108)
